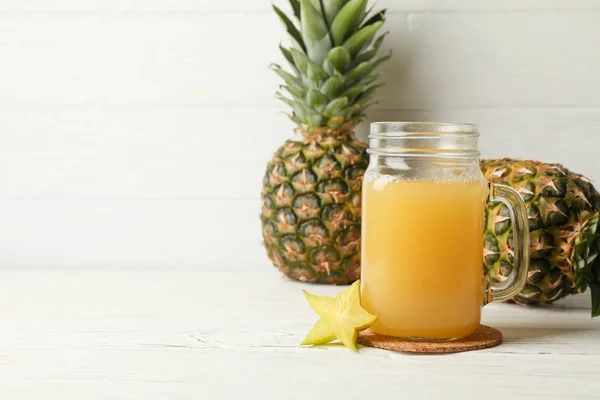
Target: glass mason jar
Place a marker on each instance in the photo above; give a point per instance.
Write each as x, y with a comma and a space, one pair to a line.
423, 209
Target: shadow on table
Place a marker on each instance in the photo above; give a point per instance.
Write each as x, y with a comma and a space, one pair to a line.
542, 329
538, 334
553, 325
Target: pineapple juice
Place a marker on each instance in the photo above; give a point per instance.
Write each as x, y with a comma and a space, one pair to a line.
422, 257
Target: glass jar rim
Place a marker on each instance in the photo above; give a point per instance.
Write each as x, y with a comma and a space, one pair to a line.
411, 129
424, 139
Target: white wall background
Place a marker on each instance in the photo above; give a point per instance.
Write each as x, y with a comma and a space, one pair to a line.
135, 133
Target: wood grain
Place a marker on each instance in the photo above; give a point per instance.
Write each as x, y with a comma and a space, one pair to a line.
155, 59
184, 334
136, 132
261, 6
221, 153
149, 234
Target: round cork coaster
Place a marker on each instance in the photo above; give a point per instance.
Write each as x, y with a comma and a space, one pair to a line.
483, 338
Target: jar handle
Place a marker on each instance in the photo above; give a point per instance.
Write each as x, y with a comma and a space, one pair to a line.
518, 215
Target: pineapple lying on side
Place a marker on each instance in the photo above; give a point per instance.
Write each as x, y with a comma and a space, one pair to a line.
312, 188
563, 212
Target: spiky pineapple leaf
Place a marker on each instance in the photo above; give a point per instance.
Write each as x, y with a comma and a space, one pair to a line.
316, 99
370, 91
288, 56
366, 81
287, 101
328, 67
300, 60
347, 20
353, 92
370, 54
296, 7
335, 122
586, 262
595, 289
314, 32
358, 40
595, 282
334, 107
379, 40
332, 87
302, 109
361, 108
291, 28
332, 84
315, 120
289, 79
381, 60
348, 112
294, 117
316, 4
380, 16
332, 8
364, 99
297, 94
358, 119
316, 74
338, 58
363, 69
365, 56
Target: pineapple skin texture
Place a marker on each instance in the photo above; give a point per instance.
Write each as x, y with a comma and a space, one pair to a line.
561, 205
311, 215
311, 208
312, 188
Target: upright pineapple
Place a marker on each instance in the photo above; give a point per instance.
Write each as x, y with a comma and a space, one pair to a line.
312, 188
563, 210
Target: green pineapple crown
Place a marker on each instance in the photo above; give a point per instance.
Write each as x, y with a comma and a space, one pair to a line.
586, 263
333, 60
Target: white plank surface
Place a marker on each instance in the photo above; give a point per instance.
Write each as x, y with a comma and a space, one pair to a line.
265, 6
133, 139
179, 153
154, 59
197, 334
541, 56
105, 187
169, 234
141, 59
139, 130
199, 154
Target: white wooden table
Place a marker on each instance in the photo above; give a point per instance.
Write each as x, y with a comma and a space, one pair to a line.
94, 334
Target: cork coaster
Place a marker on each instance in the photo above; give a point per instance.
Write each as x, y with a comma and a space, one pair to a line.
483, 338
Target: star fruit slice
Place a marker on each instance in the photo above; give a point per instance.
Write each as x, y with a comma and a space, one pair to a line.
342, 317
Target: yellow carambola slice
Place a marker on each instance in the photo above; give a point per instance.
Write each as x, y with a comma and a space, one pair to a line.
342, 317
